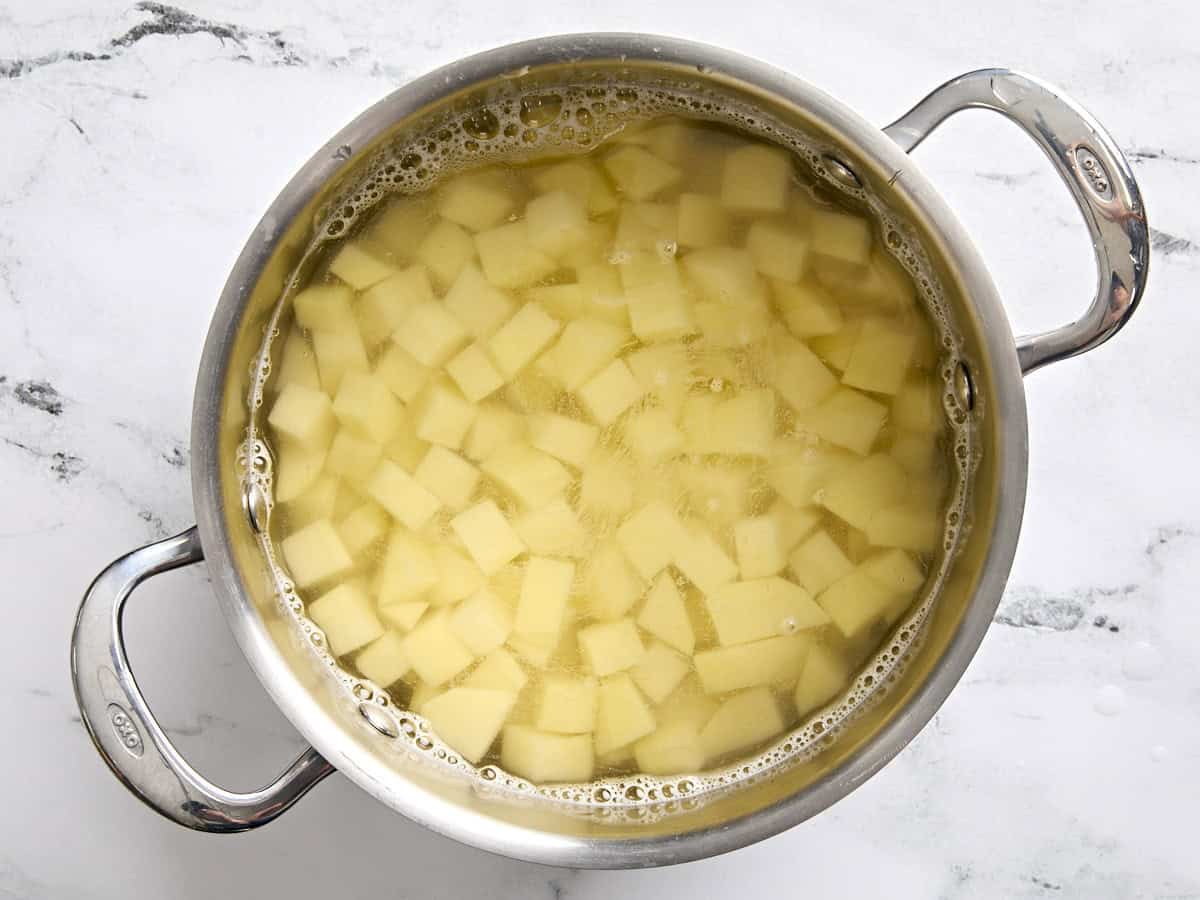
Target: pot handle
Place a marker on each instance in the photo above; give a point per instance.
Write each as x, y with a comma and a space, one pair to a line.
126, 733
1100, 180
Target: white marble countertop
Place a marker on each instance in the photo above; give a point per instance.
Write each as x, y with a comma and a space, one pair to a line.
141, 144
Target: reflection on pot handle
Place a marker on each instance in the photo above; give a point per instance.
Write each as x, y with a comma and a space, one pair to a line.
125, 731
1093, 168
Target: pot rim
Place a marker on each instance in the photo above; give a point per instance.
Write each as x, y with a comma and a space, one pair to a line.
332, 739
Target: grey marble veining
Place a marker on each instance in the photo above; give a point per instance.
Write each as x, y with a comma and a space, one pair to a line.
142, 142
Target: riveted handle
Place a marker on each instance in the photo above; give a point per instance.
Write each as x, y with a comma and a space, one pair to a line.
1099, 179
126, 733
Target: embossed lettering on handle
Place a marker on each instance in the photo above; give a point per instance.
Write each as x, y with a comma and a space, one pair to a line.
127, 733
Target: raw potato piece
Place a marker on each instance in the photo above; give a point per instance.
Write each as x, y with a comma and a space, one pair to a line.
353, 458
800, 376
880, 357
383, 308
430, 334
402, 495
793, 524
469, 719
609, 393
665, 616
702, 560
651, 538
779, 251
563, 438
674, 749
847, 419
509, 259
546, 758
760, 546
553, 530
568, 705
659, 312
585, 347
542, 608
500, 671
613, 586
296, 471
482, 622
522, 338
472, 370
347, 617
861, 490
408, 570
818, 562
404, 376
442, 415
531, 476
403, 614
365, 404
448, 477
487, 536
458, 577
841, 237
297, 365
338, 352
825, 675
383, 660
640, 174
858, 600
480, 307
324, 307
556, 222
315, 553
770, 661
659, 671
606, 486
494, 427
807, 310
910, 527
610, 647
445, 250
622, 716
703, 222
363, 527
755, 179
743, 721
764, 607
359, 267
304, 415
653, 436
475, 202
435, 651
723, 275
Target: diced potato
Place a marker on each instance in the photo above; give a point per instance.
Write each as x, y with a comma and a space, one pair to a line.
792, 524
304, 415
365, 405
760, 608
556, 222
798, 471
880, 357
640, 174
818, 562
494, 427
743, 721
841, 237
806, 309
896, 569
728, 326
383, 660
443, 415
382, 309
406, 449
606, 486
535, 649
296, 470
563, 438
430, 334
403, 614
319, 501
857, 493
583, 349
487, 536
315, 553
659, 312
673, 749
347, 617
847, 419
723, 275
400, 227
567, 302
458, 577
482, 622
825, 675
653, 436
359, 267
857, 600
760, 546
703, 221
469, 719
622, 714
521, 339
365, 525
324, 307
474, 373
448, 477
404, 376
508, 257
610, 392
613, 586
353, 458
756, 179
500, 671
659, 671
800, 376
778, 250
665, 616
478, 306
553, 530
917, 407
646, 227
408, 569
717, 492
769, 661
700, 558
568, 705
402, 495
476, 202
531, 476
435, 651
446, 249
645, 269
908, 526
664, 371
743, 425
542, 607
610, 647
651, 538
545, 758
297, 364
881, 285
581, 179
422, 694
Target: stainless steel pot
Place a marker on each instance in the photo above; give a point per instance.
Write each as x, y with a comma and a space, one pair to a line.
355, 739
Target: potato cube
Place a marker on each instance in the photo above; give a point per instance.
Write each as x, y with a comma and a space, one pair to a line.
778, 250
297, 364
318, 501
718, 492
407, 571
755, 179
585, 347
610, 392
846, 418
800, 376
858, 600
703, 221
365, 525
404, 376
610, 647
673, 749
482, 622
836, 349
469, 719
472, 370
448, 477
659, 671
798, 471
769, 661
406, 449
487, 536
792, 525
422, 694
556, 222
651, 538
542, 607
760, 608
760, 546
806, 309
535, 649
606, 486
383, 660
338, 352
443, 415
826, 673
431, 334
688, 703
739, 426
445, 250
479, 306
508, 257
917, 407
880, 357
728, 326
347, 617
622, 714
304, 415
563, 438
743, 721
613, 586
499, 671
359, 267
458, 576
896, 569
553, 530
700, 558
818, 562
521, 339
664, 371
659, 312
314, 553
647, 228
403, 614
531, 476
640, 174
402, 495
665, 616
723, 275
365, 405
296, 470
382, 309
476, 202
401, 225
841, 237
568, 705
562, 301
494, 427
653, 436
860, 490
324, 307
435, 651
882, 285
907, 526
545, 758
581, 179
